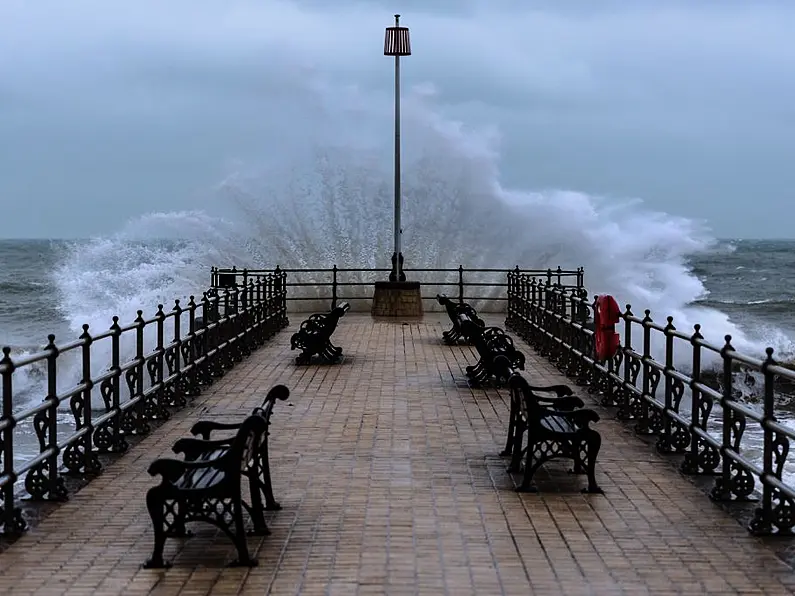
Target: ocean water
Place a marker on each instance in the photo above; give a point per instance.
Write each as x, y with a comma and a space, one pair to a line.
751, 282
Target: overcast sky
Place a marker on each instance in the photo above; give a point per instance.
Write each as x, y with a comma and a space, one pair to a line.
112, 109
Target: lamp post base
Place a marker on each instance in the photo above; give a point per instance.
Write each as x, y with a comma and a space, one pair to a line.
397, 299
397, 272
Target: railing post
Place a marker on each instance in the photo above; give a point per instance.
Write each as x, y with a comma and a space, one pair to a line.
13, 522
722, 488
211, 313
334, 286
624, 408
664, 441
160, 361
191, 351
460, 284
191, 330
510, 311
609, 398
595, 373
559, 273
762, 524
145, 409
90, 461
220, 328
283, 298
271, 293
642, 425
118, 442
699, 414
178, 386
56, 488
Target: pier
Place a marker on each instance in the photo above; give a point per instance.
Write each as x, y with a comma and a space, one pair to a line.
387, 464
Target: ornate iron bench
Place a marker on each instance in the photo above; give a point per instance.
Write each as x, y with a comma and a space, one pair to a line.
554, 429
314, 336
258, 473
454, 310
207, 488
490, 342
564, 401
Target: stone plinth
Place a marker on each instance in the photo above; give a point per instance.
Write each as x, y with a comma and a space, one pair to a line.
397, 299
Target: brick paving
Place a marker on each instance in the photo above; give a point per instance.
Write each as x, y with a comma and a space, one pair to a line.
388, 472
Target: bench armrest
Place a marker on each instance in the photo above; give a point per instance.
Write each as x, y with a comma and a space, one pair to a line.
205, 427
171, 469
192, 447
565, 403
559, 390
580, 418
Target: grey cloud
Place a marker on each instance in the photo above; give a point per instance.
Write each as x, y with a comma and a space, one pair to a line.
688, 105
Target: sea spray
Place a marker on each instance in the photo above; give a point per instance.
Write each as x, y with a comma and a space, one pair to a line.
332, 205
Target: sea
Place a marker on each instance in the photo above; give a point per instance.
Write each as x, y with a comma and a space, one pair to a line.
56, 286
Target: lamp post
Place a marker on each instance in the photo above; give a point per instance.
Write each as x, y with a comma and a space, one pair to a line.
396, 43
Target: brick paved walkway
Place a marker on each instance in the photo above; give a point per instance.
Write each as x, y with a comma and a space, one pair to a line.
388, 472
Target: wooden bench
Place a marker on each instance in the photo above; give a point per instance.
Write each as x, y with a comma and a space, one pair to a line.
208, 490
454, 310
554, 429
490, 342
314, 336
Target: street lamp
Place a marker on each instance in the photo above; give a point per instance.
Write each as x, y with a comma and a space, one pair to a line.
396, 43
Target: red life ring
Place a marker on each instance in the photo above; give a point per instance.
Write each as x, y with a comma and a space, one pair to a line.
605, 316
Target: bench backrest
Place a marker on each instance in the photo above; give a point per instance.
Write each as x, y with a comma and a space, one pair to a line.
491, 340
449, 306
523, 396
277, 392
469, 328
332, 318
456, 309
246, 441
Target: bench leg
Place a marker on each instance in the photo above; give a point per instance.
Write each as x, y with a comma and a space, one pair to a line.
511, 430
155, 505
593, 442
256, 510
267, 488
518, 438
239, 538
529, 470
579, 454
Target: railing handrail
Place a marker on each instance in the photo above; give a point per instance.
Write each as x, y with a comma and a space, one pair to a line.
556, 321
536, 271
558, 274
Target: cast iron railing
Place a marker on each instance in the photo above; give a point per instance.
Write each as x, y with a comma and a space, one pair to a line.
655, 394
464, 278
222, 328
